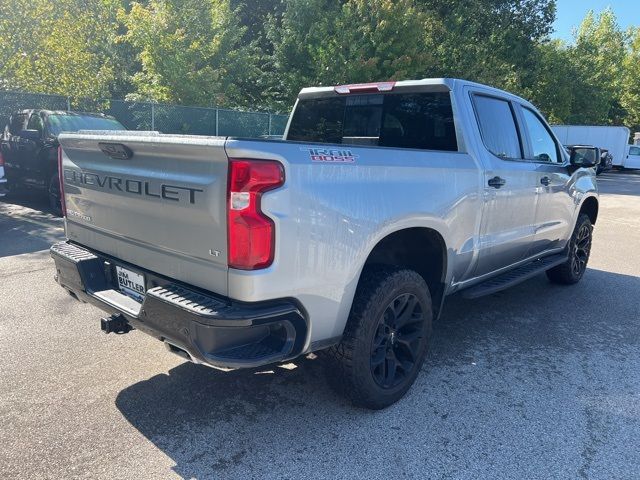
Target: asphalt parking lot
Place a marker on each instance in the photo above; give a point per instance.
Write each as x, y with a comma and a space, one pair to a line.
538, 381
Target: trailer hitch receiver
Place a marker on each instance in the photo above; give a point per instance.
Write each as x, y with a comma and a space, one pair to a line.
115, 323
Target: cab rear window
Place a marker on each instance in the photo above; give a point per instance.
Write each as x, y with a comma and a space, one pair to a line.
406, 120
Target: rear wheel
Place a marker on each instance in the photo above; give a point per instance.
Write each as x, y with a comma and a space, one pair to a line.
579, 247
386, 338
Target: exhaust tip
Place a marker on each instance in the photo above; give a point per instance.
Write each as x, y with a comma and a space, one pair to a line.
181, 352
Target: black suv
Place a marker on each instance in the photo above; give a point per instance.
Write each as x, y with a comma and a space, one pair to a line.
29, 147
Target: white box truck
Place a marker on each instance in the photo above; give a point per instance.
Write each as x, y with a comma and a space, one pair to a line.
614, 139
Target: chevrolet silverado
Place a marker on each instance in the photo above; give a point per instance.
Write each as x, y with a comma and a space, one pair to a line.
345, 236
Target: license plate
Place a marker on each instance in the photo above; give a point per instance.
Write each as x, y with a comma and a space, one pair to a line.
131, 283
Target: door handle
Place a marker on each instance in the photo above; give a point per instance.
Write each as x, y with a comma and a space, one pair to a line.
545, 181
496, 182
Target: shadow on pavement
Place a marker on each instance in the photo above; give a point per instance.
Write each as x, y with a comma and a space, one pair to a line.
26, 226
28, 198
501, 368
625, 182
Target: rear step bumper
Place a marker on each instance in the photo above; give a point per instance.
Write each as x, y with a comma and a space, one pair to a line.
197, 325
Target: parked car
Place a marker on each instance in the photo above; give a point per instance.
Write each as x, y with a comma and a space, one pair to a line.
345, 236
606, 161
29, 146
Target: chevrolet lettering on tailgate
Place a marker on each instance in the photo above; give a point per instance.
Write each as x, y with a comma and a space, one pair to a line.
174, 193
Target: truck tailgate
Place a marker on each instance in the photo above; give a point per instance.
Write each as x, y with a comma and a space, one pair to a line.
162, 209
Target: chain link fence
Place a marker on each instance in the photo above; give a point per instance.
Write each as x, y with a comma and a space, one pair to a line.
153, 116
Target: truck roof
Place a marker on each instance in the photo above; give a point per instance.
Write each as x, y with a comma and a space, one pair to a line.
426, 84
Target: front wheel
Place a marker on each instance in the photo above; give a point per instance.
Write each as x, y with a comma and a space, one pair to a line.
386, 338
579, 248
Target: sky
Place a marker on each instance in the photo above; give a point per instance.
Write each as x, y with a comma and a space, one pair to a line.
570, 13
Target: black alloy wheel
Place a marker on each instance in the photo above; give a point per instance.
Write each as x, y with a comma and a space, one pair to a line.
398, 341
386, 338
578, 251
581, 250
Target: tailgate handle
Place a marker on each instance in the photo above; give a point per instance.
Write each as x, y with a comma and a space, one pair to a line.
116, 150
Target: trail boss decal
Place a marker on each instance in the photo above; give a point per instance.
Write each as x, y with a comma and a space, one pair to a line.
330, 155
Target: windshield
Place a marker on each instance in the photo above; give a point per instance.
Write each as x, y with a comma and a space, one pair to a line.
72, 123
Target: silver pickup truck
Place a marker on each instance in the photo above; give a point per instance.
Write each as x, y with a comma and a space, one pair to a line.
346, 236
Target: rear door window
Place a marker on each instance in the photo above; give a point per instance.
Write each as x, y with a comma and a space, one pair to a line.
404, 120
498, 126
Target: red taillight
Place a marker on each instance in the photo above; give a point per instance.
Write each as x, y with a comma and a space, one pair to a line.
365, 87
63, 204
251, 234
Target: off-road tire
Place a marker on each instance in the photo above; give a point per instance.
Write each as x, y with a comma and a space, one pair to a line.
579, 249
350, 363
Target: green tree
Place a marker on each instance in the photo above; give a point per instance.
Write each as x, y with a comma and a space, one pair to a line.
190, 52
296, 37
325, 42
319, 42
598, 60
553, 80
630, 98
376, 40
490, 41
48, 47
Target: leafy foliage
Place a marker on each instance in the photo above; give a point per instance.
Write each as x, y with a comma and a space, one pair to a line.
48, 47
598, 61
323, 42
630, 98
190, 51
258, 54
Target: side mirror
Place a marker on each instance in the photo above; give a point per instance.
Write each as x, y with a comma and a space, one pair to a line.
30, 134
585, 157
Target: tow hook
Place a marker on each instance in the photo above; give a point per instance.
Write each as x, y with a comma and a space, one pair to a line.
115, 323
